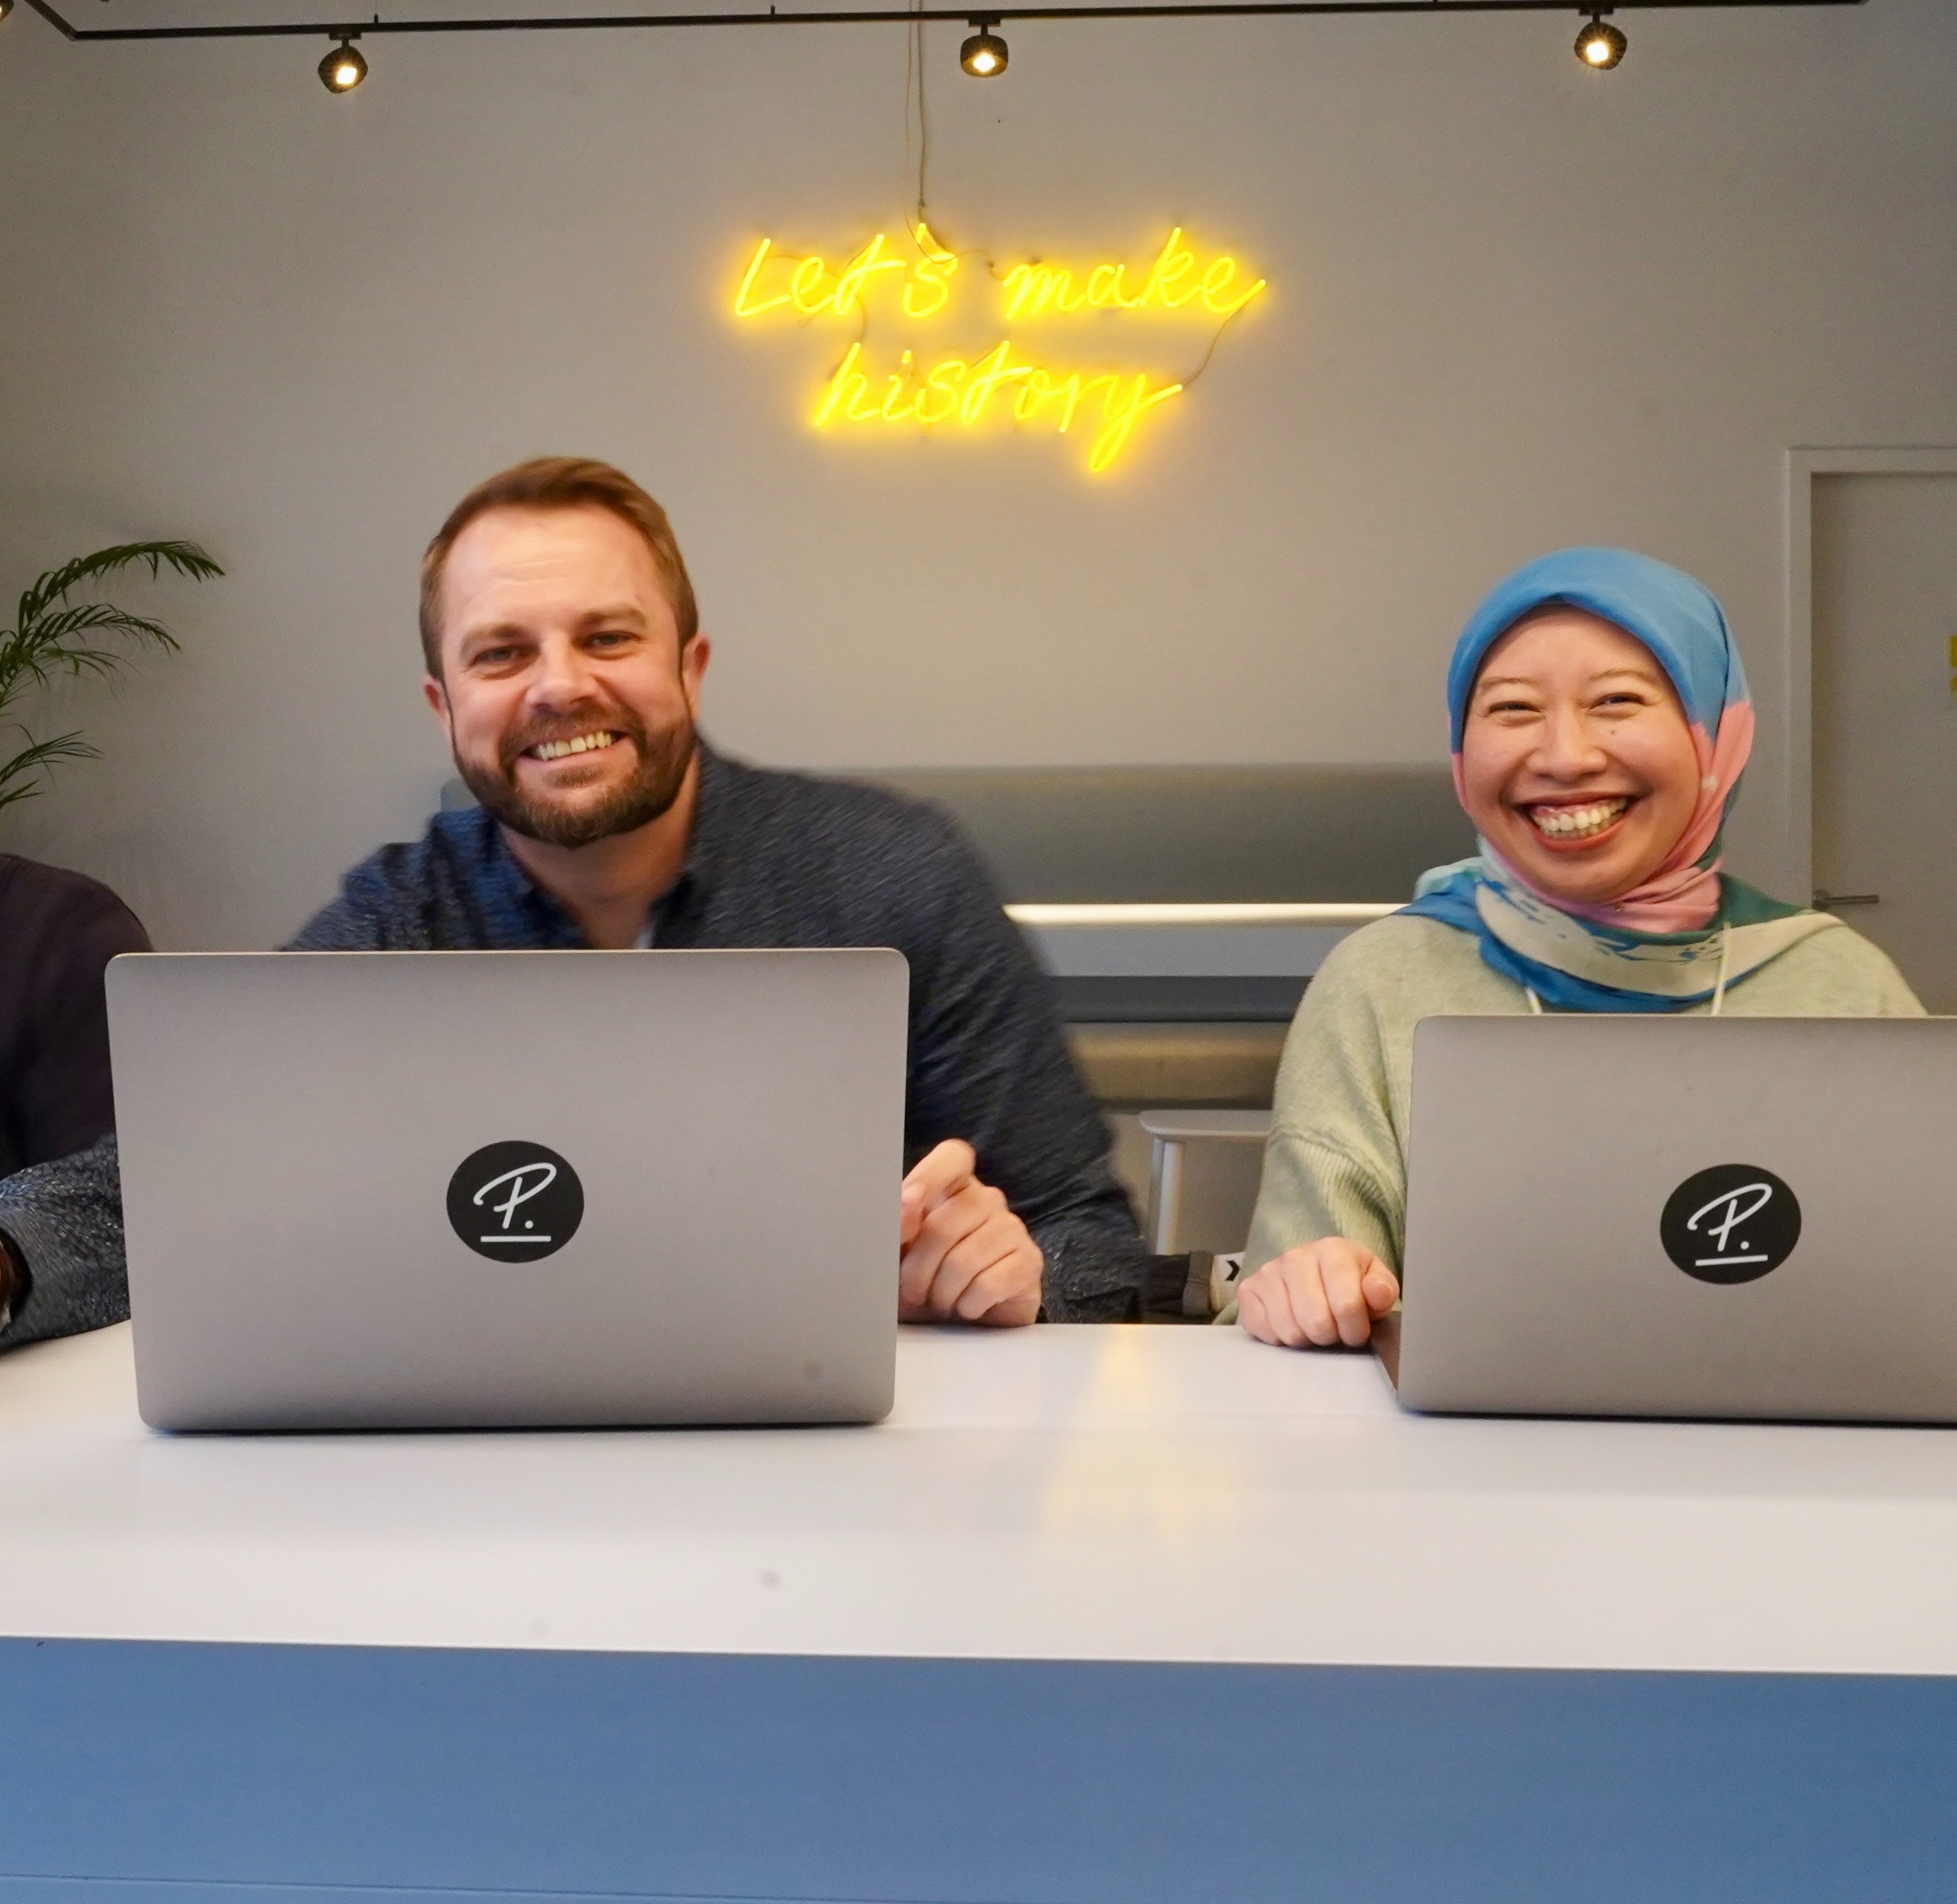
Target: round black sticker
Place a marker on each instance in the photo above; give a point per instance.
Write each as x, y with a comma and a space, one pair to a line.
1732, 1223
515, 1201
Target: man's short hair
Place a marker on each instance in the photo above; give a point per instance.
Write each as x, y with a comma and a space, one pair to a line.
558, 482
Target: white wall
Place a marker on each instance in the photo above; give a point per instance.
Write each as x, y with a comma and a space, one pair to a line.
1516, 305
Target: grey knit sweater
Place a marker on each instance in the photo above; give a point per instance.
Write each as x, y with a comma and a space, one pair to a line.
65, 1218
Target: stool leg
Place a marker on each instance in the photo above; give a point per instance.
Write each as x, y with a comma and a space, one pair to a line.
1165, 1195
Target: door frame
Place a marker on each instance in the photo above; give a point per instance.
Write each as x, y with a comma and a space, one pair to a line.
1803, 465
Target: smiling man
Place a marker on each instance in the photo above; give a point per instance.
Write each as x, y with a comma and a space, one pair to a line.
565, 662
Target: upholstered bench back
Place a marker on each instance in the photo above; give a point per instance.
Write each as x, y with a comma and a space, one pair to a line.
1082, 834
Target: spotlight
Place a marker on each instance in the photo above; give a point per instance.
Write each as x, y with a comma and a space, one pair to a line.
343, 68
984, 55
1599, 45
6, 8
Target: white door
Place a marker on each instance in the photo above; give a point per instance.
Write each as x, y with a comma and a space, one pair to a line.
1885, 581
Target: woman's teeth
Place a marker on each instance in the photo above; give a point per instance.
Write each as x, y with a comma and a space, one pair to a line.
1577, 823
583, 744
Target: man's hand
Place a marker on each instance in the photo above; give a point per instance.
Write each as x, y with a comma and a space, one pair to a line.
966, 1256
1318, 1294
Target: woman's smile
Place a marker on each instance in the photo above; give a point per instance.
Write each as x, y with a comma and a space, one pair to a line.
1574, 826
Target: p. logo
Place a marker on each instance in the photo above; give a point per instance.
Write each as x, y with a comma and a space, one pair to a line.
514, 1202
1731, 1223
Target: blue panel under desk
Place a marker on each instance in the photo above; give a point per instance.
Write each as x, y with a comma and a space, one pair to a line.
242, 1772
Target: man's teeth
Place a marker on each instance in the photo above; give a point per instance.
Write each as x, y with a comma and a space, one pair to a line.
583, 744
1576, 823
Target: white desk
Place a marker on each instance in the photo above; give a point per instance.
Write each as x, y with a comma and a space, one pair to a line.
1134, 1496
1282, 1508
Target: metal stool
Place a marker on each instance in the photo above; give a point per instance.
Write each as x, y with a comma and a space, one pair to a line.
1172, 1133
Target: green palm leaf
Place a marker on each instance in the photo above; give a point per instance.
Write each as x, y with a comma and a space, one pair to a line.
53, 645
20, 778
185, 557
52, 637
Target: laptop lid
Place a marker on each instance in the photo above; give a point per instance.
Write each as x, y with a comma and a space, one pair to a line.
500, 1189
1691, 1216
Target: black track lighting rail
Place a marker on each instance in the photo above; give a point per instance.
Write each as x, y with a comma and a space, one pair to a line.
1139, 10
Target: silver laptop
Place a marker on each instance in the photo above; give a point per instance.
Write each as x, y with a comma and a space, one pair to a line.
1718, 1217
392, 1190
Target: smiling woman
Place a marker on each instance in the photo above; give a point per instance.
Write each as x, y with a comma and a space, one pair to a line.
1578, 763
1601, 722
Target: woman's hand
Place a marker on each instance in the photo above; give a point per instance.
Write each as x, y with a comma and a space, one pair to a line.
1317, 1296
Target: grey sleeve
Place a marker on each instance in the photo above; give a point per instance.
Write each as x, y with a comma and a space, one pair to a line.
64, 1220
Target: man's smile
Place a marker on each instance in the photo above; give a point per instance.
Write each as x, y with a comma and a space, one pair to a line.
586, 743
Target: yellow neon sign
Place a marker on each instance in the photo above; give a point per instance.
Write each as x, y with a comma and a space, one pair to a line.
958, 391
810, 287
1035, 290
999, 385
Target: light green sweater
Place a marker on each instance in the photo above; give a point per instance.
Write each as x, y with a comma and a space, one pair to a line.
1335, 1165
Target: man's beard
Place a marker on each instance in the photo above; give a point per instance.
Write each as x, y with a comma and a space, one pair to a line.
649, 792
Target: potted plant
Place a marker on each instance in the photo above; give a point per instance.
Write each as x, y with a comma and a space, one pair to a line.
54, 636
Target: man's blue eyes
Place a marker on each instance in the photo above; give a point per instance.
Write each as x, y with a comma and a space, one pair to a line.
498, 658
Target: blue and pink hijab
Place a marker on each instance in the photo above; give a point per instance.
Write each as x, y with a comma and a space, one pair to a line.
1689, 931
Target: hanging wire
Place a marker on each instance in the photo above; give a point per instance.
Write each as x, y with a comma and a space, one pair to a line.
923, 123
915, 111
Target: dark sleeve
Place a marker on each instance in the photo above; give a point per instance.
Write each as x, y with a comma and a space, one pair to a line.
362, 919
64, 1220
409, 897
58, 1097
336, 928
988, 1063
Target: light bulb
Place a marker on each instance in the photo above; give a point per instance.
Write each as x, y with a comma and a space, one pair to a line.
343, 68
1600, 46
6, 8
984, 55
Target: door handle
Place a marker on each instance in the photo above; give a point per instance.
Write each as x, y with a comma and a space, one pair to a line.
1829, 901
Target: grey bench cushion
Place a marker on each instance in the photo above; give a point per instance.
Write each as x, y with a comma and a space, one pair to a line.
1198, 999
1088, 835
1138, 1067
